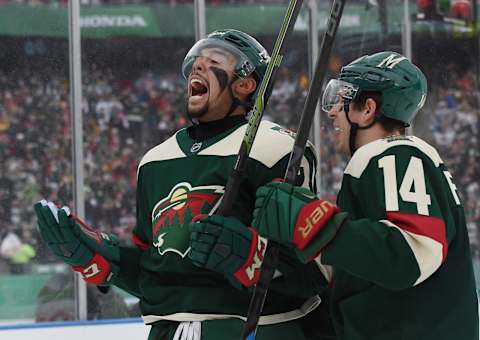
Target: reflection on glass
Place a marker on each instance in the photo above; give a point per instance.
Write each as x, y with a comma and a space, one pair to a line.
134, 99
35, 158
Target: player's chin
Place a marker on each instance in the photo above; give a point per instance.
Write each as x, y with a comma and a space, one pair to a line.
196, 111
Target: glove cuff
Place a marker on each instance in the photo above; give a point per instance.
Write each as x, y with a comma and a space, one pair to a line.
311, 220
323, 238
97, 271
249, 273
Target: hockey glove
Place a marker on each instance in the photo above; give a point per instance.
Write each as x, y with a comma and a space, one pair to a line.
295, 216
227, 246
91, 253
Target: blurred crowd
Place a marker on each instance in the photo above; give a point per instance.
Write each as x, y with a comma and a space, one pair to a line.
455, 130
123, 118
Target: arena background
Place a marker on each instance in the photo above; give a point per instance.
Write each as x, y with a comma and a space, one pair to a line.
134, 98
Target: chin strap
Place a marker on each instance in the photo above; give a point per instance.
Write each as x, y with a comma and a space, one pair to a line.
354, 127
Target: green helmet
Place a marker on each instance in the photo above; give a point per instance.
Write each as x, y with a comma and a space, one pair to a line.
251, 56
402, 84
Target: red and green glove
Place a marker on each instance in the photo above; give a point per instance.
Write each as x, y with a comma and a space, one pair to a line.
227, 246
294, 216
93, 254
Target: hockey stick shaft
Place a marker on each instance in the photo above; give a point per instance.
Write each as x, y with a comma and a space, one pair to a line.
264, 92
294, 163
314, 90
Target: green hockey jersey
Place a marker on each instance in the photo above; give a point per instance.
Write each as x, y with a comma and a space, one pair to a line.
182, 178
401, 263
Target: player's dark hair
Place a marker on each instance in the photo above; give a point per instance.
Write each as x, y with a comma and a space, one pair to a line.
389, 124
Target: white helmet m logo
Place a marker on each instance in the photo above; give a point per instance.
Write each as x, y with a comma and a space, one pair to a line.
391, 61
422, 101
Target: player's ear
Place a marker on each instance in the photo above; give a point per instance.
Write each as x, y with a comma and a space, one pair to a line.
368, 112
244, 87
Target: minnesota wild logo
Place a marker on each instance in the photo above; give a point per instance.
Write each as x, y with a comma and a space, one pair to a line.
172, 215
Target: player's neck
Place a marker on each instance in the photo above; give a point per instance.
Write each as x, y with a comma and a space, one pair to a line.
373, 133
206, 130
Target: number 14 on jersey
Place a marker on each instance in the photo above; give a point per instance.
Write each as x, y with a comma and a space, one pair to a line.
412, 188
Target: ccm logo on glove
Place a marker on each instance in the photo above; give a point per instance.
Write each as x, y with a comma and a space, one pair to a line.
96, 272
249, 273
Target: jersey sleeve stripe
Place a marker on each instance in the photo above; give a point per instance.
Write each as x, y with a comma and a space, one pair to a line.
139, 243
429, 252
426, 251
429, 226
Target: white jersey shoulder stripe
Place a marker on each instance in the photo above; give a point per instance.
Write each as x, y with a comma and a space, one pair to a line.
271, 144
427, 251
362, 157
167, 150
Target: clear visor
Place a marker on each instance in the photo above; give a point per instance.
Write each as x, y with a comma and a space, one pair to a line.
337, 91
221, 53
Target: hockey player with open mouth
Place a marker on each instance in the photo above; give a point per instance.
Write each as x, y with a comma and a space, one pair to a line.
194, 279
398, 241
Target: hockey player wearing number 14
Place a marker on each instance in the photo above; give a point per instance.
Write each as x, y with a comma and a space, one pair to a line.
397, 242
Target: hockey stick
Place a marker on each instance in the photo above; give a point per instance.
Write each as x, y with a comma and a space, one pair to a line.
264, 92
273, 248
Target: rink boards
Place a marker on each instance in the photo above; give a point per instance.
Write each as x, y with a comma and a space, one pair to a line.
118, 329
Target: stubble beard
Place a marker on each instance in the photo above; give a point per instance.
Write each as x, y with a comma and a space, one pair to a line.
197, 113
